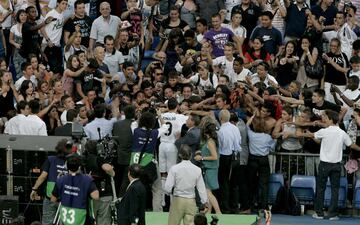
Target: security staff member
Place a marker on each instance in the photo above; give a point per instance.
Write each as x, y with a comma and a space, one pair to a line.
74, 190
53, 167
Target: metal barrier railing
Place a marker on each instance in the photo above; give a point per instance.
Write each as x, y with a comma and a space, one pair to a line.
296, 163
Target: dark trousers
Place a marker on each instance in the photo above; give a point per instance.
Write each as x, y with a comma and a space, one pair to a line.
238, 186
258, 174
333, 171
121, 179
224, 180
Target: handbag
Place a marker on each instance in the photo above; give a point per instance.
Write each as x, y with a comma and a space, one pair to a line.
315, 71
149, 174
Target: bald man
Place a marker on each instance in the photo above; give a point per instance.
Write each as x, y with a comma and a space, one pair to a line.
105, 24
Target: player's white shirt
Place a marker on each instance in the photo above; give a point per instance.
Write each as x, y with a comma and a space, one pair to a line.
175, 122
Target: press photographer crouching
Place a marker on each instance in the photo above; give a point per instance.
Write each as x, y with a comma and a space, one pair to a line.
99, 167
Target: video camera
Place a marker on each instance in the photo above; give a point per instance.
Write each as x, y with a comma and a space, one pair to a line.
107, 148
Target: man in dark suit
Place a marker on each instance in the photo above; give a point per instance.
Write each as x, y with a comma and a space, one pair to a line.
66, 129
192, 136
124, 136
131, 208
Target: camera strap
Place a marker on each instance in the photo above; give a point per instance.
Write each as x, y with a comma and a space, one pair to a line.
148, 133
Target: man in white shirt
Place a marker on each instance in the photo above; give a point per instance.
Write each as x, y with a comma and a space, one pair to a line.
32, 124
105, 24
240, 73
181, 182
28, 74
262, 75
204, 78
13, 125
52, 33
332, 140
68, 103
113, 58
226, 61
99, 127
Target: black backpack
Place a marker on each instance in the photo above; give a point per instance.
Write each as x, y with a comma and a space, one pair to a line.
286, 203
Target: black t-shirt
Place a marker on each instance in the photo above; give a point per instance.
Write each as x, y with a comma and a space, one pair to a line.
166, 24
30, 40
332, 75
7, 103
285, 74
85, 28
318, 110
88, 82
250, 16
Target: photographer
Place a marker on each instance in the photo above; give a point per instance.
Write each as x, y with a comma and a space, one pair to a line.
101, 171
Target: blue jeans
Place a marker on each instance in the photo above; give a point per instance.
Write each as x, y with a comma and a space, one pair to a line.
49, 212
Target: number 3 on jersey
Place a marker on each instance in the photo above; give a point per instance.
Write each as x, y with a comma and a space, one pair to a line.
68, 216
170, 129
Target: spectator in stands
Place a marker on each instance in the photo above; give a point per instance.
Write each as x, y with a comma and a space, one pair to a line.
208, 9
250, 14
103, 25
15, 40
30, 33
272, 37
52, 33
218, 36
325, 13
201, 29
332, 141
28, 74
296, 19
336, 69
66, 129
308, 55
8, 93
113, 58
236, 27
262, 75
81, 20
74, 44
182, 179
286, 63
68, 103
256, 54
278, 9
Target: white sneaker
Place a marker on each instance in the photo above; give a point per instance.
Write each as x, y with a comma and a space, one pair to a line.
316, 216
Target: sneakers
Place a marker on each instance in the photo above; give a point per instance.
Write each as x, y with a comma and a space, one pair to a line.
333, 217
316, 216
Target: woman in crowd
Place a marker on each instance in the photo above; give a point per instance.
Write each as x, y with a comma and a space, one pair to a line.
256, 54
286, 64
308, 56
45, 93
27, 92
209, 157
73, 69
15, 39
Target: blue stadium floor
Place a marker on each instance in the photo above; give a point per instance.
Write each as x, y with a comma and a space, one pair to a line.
308, 220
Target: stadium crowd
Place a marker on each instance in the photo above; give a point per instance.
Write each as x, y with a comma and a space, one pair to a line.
232, 79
